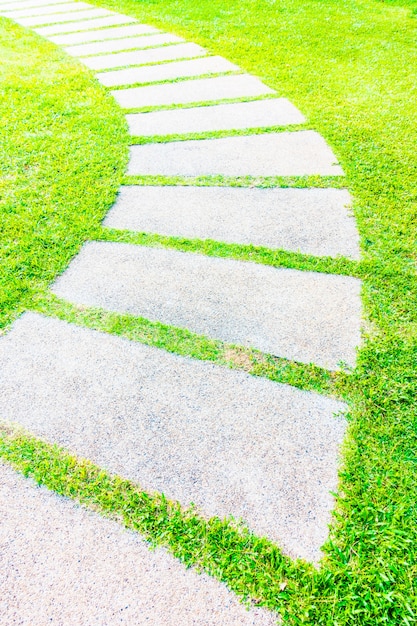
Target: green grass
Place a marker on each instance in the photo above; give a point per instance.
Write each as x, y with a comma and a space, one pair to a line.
350, 67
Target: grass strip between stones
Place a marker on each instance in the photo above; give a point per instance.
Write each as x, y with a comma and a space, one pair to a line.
263, 182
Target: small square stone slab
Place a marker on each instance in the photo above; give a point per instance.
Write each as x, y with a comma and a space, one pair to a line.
144, 57
274, 154
100, 22
236, 116
61, 18
167, 71
304, 316
198, 90
127, 43
231, 443
46, 10
313, 221
102, 35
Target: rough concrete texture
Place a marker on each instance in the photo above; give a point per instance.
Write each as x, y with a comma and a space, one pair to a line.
144, 57
46, 10
313, 221
65, 565
93, 24
273, 154
198, 90
127, 43
304, 316
230, 443
61, 18
103, 35
167, 71
235, 116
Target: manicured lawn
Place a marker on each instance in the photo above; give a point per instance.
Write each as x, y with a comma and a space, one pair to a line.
351, 68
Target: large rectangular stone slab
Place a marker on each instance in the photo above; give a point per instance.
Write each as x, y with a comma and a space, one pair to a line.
28, 4
230, 443
303, 316
93, 24
167, 71
186, 92
61, 18
312, 221
103, 35
240, 115
46, 10
274, 154
63, 564
144, 57
127, 43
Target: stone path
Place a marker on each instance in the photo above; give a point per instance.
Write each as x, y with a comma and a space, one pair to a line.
161, 419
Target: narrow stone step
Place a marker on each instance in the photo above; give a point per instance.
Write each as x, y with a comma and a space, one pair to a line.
93, 24
312, 221
303, 316
63, 564
46, 10
229, 442
144, 57
263, 113
61, 18
167, 71
274, 154
103, 35
127, 43
198, 90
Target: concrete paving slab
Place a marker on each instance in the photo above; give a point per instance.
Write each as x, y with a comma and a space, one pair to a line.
274, 154
61, 18
144, 57
63, 564
103, 35
127, 43
312, 221
303, 316
46, 10
262, 113
93, 24
5, 5
229, 442
167, 71
198, 90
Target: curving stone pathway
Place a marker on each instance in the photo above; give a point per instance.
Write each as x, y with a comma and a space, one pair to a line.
161, 419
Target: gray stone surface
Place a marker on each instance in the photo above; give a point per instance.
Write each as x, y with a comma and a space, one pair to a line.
65, 565
313, 221
61, 18
167, 71
45, 10
103, 35
273, 154
229, 442
144, 57
186, 92
93, 24
127, 43
262, 113
304, 316
13, 6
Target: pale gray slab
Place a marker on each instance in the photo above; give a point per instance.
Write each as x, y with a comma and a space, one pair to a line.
127, 43
312, 221
198, 90
262, 113
229, 442
13, 6
63, 564
46, 10
304, 316
101, 22
144, 57
167, 71
61, 18
103, 35
274, 154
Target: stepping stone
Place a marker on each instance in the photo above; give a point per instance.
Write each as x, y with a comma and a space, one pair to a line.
46, 10
229, 442
303, 316
64, 564
116, 45
143, 57
274, 154
28, 4
101, 35
240, 115
312, 221
61, 18
199, 90
101, 22
167, 71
